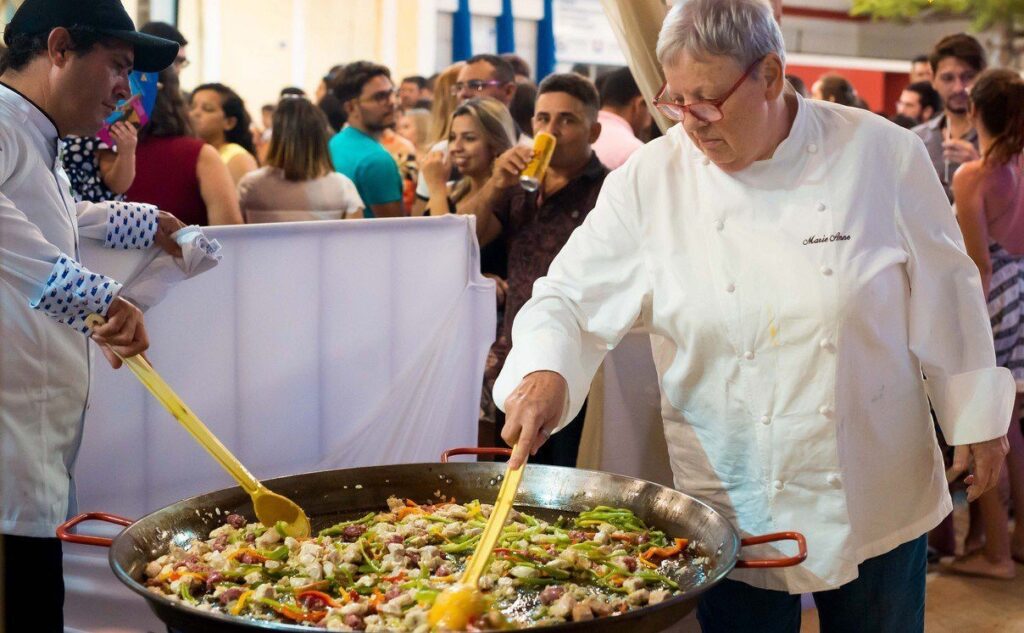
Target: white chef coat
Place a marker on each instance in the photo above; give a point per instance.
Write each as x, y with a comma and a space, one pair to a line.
44, 296
793, 307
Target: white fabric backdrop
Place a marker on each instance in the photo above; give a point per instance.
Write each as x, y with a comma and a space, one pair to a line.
624, 433
311, 346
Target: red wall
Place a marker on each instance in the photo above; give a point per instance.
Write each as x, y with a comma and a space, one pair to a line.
879, 89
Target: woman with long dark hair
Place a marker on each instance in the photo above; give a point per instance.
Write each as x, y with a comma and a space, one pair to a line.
298, 181
175, 170
989, 195
219, 117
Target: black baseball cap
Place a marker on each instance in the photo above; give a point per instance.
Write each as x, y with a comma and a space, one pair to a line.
34, 17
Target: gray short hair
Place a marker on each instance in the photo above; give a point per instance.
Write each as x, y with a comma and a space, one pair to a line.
744, 30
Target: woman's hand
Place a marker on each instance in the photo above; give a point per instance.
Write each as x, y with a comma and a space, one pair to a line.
436, 169
125, 137
987, 458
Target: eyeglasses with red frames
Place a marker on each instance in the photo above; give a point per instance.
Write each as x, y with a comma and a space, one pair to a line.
706, 111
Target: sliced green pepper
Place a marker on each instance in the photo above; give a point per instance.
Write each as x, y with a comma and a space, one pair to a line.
186, 592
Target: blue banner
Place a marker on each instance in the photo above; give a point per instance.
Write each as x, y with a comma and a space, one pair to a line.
546, 41
506, 29
462, 33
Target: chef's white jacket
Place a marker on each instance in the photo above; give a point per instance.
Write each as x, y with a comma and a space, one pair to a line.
44, 296
794, 306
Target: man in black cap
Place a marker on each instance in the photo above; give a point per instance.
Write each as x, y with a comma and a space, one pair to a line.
65, 69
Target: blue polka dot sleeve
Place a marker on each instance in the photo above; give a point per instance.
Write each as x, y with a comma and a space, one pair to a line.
73, 293
131, 225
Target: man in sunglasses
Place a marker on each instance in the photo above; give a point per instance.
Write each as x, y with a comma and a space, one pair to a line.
796, 261
482, 75
370, 101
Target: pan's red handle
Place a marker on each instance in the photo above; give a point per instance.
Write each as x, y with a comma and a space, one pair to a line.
64, 530
486, 450
777, 562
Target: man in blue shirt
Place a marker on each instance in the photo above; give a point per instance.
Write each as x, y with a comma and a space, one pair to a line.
368, 96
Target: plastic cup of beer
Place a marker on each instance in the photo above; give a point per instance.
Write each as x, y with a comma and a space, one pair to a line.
543, 148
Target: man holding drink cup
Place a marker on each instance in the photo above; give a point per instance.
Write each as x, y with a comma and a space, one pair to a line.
537, 223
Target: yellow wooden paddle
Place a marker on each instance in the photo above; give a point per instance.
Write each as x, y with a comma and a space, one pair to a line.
271, 508
457, 605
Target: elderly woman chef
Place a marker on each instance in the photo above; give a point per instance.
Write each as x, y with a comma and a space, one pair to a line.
800, 268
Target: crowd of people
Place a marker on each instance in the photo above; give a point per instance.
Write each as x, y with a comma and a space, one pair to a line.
368, 146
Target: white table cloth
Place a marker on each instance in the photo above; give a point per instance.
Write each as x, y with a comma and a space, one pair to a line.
311, 346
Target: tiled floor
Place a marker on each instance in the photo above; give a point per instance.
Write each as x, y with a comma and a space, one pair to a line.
960, 604
957, 604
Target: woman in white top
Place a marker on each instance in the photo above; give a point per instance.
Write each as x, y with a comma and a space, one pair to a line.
799, 267
299, 182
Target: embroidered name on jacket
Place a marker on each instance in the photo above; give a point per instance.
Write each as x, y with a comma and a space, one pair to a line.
821, 239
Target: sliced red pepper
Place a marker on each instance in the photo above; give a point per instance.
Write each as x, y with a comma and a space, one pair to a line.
666, 552
399, 576
376, 600
323, 597
406, 511
301, 616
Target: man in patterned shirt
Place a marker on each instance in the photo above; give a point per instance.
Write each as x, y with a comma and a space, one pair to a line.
537, 225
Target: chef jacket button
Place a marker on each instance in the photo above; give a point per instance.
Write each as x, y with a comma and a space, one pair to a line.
730, 287
706, 161
778, 485
575, 214
719, 225
825, 410
821, 206
825, 344
825, 270
765, 420
812, 148
748, 355
834, 480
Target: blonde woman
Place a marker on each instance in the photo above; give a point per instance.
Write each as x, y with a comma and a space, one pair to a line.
298, 182
481, 130
444, 103
414, 125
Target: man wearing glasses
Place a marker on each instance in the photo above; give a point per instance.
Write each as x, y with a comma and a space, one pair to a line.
370, 101
795, 261
482, 76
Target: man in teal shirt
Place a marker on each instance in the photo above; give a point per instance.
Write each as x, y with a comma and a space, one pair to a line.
368, 96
